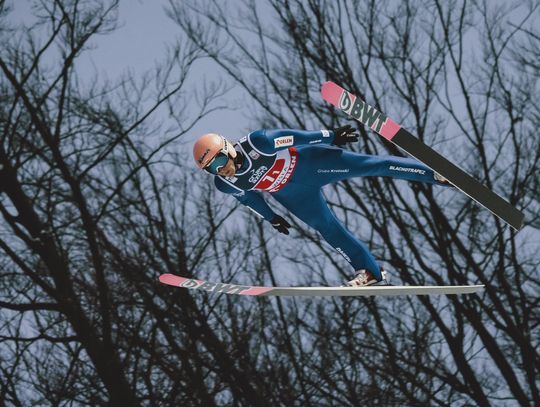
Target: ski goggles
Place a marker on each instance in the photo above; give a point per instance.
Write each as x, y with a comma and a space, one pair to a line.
217, 163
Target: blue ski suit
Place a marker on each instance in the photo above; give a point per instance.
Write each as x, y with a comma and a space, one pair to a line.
294, 165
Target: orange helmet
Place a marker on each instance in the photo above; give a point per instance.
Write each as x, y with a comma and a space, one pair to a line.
209, 147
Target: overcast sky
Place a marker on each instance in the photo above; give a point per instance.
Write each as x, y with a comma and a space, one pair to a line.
138, 45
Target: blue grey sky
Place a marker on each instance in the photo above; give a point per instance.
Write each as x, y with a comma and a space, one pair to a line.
138, 45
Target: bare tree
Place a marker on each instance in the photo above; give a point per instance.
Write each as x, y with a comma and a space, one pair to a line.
84, 182
96, 202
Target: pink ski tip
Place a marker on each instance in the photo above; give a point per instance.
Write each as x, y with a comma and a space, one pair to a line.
171, 279
331, 92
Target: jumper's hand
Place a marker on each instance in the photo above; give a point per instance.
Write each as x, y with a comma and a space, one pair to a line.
345, 134
280, 224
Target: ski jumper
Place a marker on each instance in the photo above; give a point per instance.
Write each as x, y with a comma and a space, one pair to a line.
294, 165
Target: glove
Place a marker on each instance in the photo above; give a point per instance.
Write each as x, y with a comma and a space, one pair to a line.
344, 135
280, 224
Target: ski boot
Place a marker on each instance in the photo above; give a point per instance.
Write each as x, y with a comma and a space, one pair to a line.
364, 278
439, 178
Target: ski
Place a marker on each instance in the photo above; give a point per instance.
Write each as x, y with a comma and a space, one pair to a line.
388, 290
390, 130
